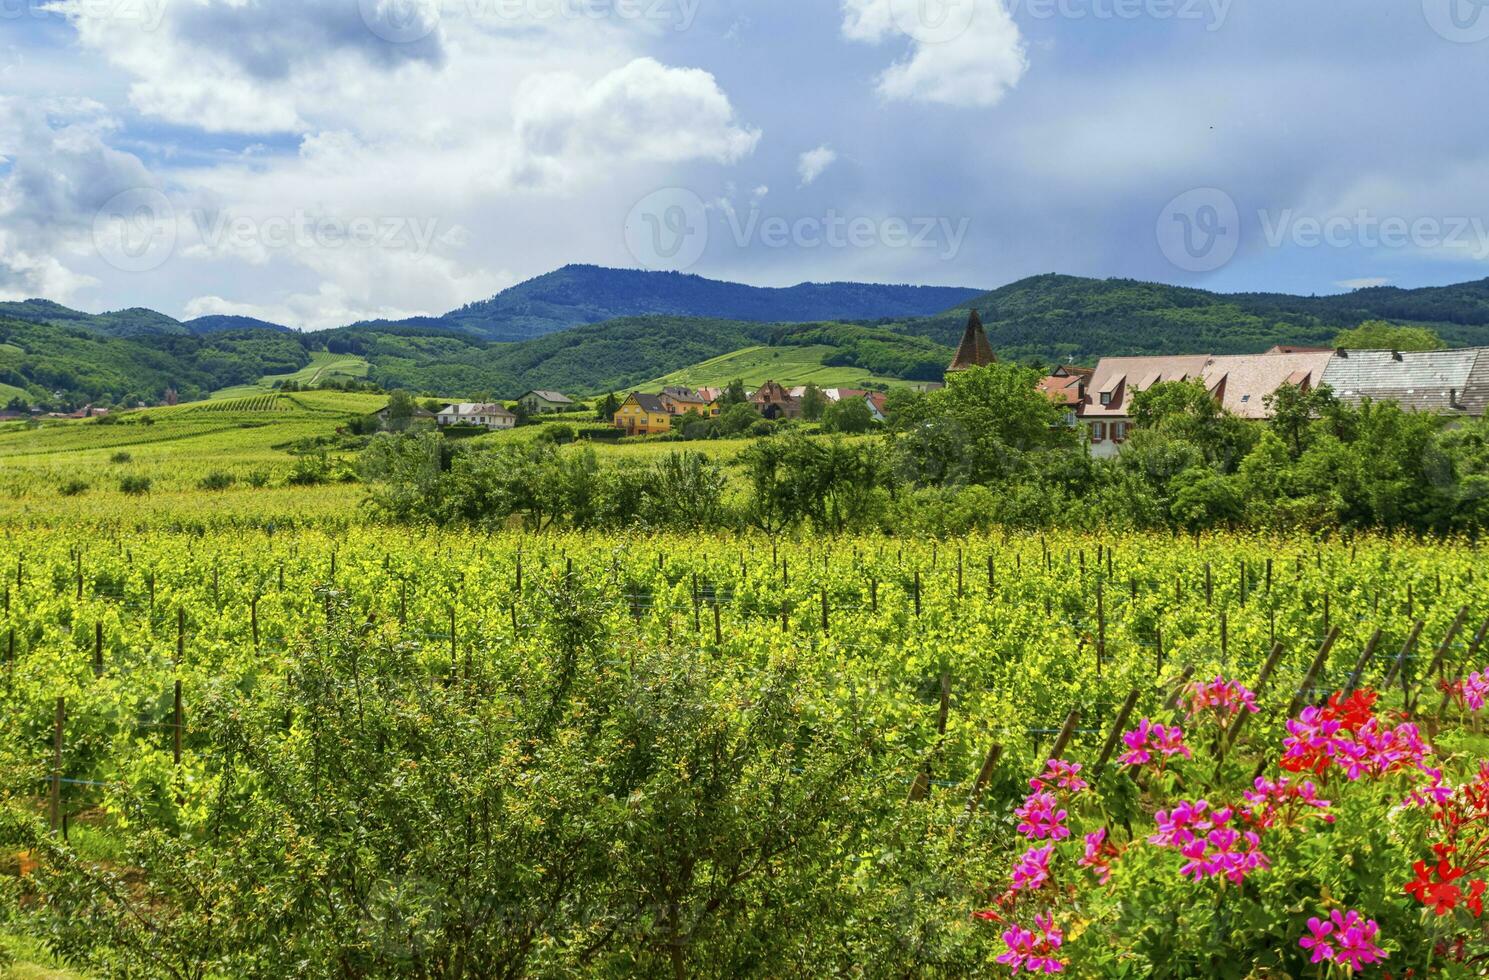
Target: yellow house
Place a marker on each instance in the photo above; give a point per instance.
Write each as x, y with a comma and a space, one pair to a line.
643, 415
678, 404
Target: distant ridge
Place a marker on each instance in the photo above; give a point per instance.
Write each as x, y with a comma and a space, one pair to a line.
582, 294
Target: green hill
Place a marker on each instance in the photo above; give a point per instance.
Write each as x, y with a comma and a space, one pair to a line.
1056, 318
788, 365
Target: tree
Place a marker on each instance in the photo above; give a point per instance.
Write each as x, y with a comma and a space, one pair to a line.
400, 410
1187, 411
980, 428
736, 420
1293, 410
813, 403
1382, 335
686, 489
735, 394
608, 408
851, 416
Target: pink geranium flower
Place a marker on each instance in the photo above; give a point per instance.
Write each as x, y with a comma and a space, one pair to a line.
1034, 949
1149, 741
1032, 870
1222, 698
1040, 818
1060, 774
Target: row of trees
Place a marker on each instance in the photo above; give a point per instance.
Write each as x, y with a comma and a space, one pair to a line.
988, 450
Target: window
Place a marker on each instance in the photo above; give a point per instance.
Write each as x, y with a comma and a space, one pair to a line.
1098, 431
1119, 431
1106, 399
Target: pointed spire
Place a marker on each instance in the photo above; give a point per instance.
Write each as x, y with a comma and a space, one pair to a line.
974, 351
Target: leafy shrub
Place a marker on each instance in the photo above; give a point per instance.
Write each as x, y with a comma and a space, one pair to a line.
73, 488
120, 457
135, 486
217, 480
310, 471
258, 479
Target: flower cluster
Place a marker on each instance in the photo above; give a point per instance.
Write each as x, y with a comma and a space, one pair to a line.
1031, 871
1148, 741
1100, 852
1062, 775
1436, 887
1212, 848
1034, 949
1471, 693
1347, 735
1284, 802
1222, 698
1347, 938
1040, 818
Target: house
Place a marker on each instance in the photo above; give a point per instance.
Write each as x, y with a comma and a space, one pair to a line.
974, 350
1067, 388
489, 416
1446, 382
418, 414
642, 414
712, 394
681, 401
774, 402
1241, 384
542, 402
877, 402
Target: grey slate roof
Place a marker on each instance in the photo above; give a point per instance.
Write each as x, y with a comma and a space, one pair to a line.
1447, 382
652, 403
556, 397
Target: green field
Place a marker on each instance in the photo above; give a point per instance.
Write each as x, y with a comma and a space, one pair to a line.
323, 367
255, 438
787, 365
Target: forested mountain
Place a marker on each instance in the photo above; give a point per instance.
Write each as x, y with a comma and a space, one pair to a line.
69, 366
1057, 318
59, 356
583, 294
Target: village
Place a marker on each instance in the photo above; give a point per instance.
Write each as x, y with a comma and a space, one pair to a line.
1451, 383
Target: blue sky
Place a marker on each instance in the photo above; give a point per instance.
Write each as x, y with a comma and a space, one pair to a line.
316, 162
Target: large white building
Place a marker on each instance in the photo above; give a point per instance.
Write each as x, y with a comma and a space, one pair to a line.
489, 416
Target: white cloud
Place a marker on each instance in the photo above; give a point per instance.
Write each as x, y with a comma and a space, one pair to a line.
515, 143
814, 163
61, 173
1365, 283
642, 112
965, 53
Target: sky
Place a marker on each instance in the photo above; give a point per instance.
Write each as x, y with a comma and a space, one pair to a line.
319, 162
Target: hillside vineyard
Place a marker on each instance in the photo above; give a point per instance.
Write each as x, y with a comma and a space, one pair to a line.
367, 751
